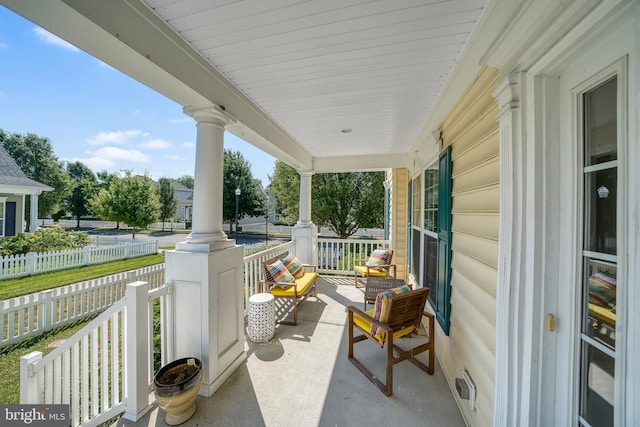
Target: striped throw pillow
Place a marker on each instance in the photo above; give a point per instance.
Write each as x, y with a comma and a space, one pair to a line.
381, 309
293, 265
379, 257
279, 272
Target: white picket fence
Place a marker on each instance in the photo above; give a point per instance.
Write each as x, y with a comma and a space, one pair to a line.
32, 263
32, 314
105, 369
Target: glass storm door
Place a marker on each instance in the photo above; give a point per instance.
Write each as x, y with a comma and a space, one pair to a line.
599, 124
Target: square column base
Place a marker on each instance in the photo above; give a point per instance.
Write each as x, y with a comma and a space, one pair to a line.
209, 311
306, 238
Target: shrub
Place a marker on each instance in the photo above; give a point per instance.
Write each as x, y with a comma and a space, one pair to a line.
43, 240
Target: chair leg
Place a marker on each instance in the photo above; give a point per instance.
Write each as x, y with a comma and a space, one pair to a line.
390, 362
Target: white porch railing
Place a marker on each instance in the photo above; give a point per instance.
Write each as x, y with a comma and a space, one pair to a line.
35, 313
338, 256
32, 263
105, 369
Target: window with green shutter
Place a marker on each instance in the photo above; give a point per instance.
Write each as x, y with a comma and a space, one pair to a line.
443, 286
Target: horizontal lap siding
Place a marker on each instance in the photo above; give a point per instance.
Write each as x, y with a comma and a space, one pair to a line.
472, 131
399, 218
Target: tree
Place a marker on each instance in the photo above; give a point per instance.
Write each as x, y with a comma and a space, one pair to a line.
85, 185
141, 205
285, 189
168, 202
34, 155
108, 203
130, 199
344, 202
237, 174
186, 180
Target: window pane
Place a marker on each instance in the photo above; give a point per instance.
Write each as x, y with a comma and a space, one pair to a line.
600, 301
430, 266
600, 114
417, 201
598, 373
415, 253
601, 194
431, 200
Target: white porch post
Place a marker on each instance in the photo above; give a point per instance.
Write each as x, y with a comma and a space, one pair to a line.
515, 358
33, 223
305, 233
137, 351
207, 269
206, 226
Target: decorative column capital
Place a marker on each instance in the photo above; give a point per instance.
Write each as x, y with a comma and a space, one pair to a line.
507, 93
209, 114
306, 173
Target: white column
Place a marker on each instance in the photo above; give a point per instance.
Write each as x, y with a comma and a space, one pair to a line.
208, 269
518, 299
305, 233
206, 225
33, 223
305, 198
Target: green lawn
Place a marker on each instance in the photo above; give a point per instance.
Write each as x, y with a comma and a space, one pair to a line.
10, 288
10, 358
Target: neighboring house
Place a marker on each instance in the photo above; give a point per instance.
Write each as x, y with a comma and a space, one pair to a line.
14, 187
509, 130
184, 196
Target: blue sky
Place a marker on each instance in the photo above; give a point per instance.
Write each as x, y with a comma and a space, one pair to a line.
93, 113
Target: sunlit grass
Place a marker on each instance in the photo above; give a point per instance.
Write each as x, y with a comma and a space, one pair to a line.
10, 288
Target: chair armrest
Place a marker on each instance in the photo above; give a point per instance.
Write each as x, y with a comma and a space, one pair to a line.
313, 267
430, 320
360, 262
270, 284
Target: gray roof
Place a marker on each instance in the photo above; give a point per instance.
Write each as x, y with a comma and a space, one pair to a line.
11, 174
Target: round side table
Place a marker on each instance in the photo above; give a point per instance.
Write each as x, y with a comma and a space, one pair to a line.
261, 317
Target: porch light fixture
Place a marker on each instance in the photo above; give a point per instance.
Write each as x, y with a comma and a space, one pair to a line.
237, 209
603, 192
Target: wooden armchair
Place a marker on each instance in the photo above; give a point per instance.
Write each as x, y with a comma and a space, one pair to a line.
373, 267
401, 316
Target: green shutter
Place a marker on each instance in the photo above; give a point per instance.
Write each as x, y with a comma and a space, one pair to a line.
443, 290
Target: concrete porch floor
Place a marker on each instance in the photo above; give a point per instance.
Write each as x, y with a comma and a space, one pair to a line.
302, 378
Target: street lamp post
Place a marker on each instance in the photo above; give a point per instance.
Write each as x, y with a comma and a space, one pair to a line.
266, 222
237, 209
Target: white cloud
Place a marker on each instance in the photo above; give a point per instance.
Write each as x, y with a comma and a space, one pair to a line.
118, 137
157, 144
188, 144
116, 153
174, 157
49, 38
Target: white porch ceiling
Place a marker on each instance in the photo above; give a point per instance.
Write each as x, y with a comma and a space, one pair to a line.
318, 67
293, 73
